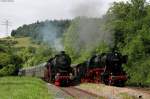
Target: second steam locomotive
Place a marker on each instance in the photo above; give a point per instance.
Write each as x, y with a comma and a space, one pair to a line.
102, 68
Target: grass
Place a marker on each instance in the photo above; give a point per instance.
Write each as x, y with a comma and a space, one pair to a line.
23, 88
98, 87
19, 42
24, 42
126, 96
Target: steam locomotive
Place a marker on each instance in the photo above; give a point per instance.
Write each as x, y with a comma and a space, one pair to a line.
90, 70
58, 70
104, 68
114, 73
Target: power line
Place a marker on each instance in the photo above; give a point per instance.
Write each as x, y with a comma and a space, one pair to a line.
7, 24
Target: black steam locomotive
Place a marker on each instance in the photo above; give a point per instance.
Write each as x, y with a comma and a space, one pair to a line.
114, 73
90, 70
58, 70
104, 68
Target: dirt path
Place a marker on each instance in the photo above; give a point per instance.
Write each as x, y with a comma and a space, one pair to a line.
116, 92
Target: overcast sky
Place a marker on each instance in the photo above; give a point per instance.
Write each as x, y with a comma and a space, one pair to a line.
22, 12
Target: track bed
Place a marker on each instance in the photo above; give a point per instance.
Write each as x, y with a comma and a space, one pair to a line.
77, 93
71, 93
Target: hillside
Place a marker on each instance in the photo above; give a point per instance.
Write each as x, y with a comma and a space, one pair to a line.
16, 53
44, 31
18, 42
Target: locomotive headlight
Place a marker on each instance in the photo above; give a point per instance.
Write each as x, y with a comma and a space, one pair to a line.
111, 74
58, 74
71, 76
112, 77
56, 77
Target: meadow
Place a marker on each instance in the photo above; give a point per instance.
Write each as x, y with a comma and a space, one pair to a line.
23, 88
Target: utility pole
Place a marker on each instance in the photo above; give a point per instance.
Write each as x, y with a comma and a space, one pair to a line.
7, 24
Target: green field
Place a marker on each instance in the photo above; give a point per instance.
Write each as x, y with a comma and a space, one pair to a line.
23, 88
19, 41
24, 42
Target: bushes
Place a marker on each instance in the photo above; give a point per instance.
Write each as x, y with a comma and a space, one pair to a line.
8, 70
9, 62
32, 56
4, 59
139, 72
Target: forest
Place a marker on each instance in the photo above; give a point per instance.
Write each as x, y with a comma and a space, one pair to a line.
124, 28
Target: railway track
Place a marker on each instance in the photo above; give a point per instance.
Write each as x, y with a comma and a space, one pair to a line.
77, 93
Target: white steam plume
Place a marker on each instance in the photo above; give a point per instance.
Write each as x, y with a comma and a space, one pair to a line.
49, 34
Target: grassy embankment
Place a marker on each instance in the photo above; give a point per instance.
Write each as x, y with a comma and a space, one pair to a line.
19, 42
23, 88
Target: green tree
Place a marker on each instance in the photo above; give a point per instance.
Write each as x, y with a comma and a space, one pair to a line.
131, 33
